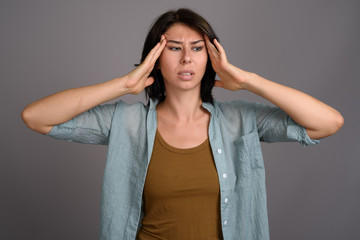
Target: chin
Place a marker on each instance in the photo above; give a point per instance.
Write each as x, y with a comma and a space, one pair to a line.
188, 86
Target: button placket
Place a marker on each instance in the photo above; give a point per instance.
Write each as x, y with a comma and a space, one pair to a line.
224, 176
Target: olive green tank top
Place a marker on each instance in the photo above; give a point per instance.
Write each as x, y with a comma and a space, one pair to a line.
181, 194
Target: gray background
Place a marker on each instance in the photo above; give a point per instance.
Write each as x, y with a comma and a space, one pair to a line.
51, 189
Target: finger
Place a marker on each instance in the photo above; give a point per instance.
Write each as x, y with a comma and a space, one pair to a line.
207, 40
211, 44
219, 83
153, 51
213, 52
156, 51
219, 47
159, 49
208, 43
221, 50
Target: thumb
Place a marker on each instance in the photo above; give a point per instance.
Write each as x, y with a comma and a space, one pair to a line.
149, 81
218, 83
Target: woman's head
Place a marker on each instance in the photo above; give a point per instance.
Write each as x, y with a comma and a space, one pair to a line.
162, 25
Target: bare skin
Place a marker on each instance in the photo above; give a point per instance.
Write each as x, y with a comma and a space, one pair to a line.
182, 121
60, 107
319, 119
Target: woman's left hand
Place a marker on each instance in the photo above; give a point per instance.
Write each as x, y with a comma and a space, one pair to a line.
319, 120
231, 77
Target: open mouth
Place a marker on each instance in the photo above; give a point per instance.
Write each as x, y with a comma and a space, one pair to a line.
186, 74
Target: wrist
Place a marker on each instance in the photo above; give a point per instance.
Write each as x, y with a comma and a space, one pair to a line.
250, 81
118, 86
245, 79
256, 84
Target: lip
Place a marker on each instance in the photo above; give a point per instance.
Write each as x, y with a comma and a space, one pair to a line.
186, 77
186, 71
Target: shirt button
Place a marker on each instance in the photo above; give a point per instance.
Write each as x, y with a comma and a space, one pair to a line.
219, 151
224, 175
225, 222
226, 200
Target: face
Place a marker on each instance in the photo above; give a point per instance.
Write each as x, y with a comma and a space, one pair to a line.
183, 60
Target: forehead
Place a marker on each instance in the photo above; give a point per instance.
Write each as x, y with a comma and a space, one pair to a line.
180, 31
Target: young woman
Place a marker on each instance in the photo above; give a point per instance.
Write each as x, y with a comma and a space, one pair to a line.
184, 166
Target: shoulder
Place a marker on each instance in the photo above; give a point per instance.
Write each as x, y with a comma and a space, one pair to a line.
236, 113
130, 115
234, 107
123, 107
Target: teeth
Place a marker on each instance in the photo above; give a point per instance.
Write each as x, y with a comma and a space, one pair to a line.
185, 73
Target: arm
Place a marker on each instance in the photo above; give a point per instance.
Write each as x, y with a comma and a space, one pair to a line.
319, 119
60, 107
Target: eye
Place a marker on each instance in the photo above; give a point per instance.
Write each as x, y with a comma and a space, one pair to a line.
174, 48
197, 49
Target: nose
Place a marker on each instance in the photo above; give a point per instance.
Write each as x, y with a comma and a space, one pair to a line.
186, 57
186, 60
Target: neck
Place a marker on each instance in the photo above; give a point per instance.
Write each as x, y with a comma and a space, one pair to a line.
184, 107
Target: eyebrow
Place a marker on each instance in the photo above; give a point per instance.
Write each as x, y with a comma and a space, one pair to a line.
179, 42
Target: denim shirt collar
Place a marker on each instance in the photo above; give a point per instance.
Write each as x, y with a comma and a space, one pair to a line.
210, 107
153, 104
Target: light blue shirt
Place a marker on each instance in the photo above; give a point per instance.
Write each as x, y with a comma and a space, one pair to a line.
235, 131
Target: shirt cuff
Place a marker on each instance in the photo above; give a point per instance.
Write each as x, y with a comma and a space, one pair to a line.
60, 131
298, 132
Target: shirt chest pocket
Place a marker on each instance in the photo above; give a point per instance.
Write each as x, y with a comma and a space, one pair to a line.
249, 153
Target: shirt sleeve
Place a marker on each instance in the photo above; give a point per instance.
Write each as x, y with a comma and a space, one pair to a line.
91, 127
274, 125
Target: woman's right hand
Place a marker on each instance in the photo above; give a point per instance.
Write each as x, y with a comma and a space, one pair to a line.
138, 79
60, 107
